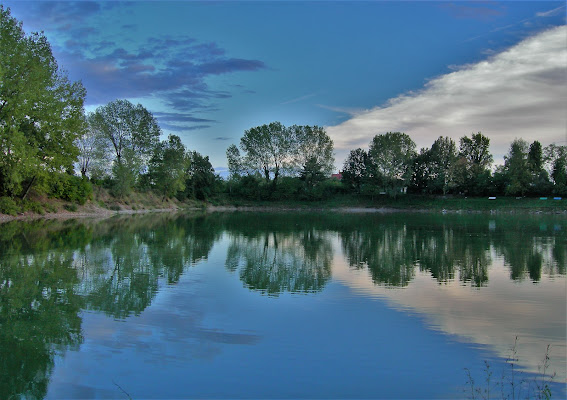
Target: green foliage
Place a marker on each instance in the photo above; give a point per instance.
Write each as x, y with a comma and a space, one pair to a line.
289, 188
422, 174
535, 157
247, 187
268, 149
312, 174
8, 206
34, 206
311, 143
559, 176
390, 157
70, 207
130, 134
70, 187
471, 170
443, 154
517, 168
273, 150
167, 167
92, 159
123, 181
41, 111
235, 166
355, 169
201, 181
50, 208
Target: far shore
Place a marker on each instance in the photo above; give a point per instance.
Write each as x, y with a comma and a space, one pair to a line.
93, 211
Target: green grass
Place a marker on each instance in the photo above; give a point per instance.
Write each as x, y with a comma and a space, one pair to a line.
71, 207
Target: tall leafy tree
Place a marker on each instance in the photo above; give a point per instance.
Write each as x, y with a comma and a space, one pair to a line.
269, 150
312, 173
273, 150
234, 159
41, 111
443, 154
201, 181
391, 154
92, 158
311, 143
167, 167
559, 175
355, 169
551, 154
471, 170
540, 183
517, 168
422, 173
129, 135
535, 157
555, 162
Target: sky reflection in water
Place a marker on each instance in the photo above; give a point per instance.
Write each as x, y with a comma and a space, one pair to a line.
277, 305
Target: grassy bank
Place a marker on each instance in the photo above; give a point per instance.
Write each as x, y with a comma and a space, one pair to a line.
103, 203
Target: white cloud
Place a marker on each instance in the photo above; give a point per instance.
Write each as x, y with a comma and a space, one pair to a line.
519, 93
549, 13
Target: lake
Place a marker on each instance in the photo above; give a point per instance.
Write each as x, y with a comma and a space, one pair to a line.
283, 305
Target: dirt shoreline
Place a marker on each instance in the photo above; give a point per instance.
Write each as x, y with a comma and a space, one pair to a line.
102, 213
90, 212
94, 211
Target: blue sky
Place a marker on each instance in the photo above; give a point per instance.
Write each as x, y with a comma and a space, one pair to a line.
210, 70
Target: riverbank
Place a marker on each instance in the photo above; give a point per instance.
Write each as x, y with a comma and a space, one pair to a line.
104, 206
407, 203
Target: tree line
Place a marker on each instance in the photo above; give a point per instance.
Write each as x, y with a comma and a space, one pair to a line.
45, 135
279, 162
47, 140
392, 163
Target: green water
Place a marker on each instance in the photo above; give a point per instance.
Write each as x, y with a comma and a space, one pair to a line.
272, 305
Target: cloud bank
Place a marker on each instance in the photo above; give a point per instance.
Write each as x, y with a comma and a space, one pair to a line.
519, 93
173, 70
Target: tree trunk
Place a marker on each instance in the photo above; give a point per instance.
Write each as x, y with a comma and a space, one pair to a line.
29, 187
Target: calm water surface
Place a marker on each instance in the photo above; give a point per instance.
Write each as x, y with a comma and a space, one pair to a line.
300, 305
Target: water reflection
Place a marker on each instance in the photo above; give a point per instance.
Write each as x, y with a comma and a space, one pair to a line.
273, 257
386, 251
120, 270
50, 271
392, 247
39, 306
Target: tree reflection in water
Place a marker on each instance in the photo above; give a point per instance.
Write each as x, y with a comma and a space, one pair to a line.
392, 246
39, 306
279, 253
51, 270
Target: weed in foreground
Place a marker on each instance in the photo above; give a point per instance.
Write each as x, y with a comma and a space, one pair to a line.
512, 384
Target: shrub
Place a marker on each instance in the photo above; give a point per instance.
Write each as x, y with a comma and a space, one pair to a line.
71, 207
34, 206
50, 208
70, 188
8, 206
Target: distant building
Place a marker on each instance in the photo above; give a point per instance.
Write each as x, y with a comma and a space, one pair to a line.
338, 176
